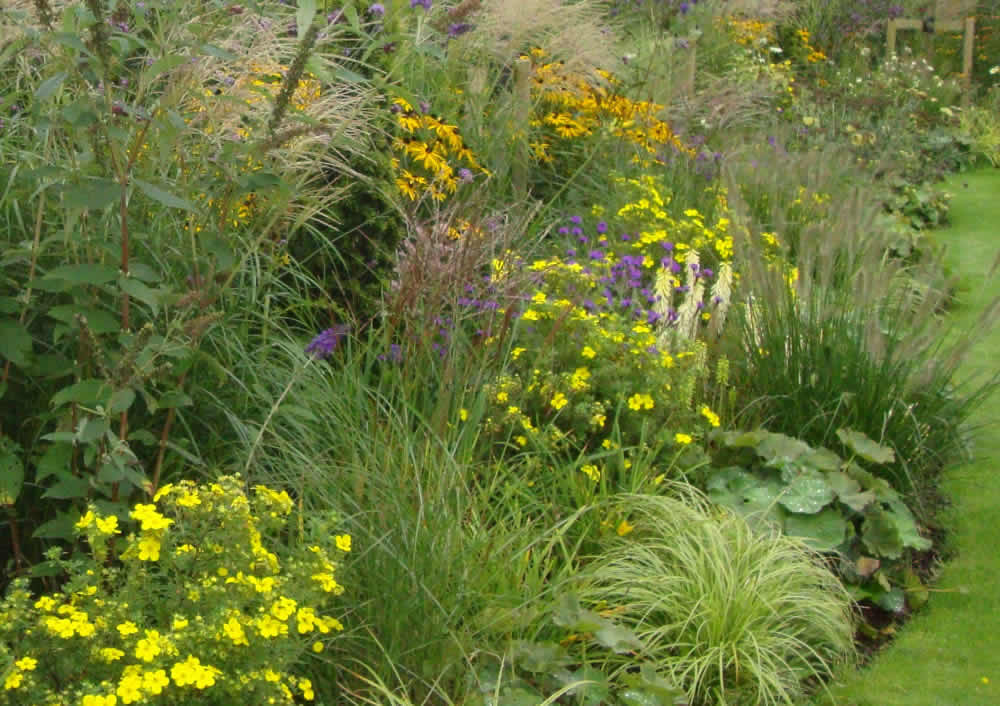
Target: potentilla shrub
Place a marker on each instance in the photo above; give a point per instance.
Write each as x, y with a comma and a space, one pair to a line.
206, 600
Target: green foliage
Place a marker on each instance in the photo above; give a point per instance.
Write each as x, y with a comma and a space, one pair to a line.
211, 596
730, 613
834, 505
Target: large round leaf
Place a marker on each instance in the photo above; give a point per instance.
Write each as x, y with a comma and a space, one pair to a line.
824, 531
807, 493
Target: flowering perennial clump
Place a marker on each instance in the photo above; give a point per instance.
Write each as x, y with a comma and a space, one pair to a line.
572, 105
208, 602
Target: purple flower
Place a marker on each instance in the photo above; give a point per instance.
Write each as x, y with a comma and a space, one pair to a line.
596, 255
457, 29
326, 341
564, 230
377, 9
666, 245
602, 227
575, 220
426, 4
577, 230
465, 175
625, 236
684, 8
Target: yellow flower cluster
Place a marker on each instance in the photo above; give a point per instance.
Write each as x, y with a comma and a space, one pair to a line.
572, 105
228, 615
422, 154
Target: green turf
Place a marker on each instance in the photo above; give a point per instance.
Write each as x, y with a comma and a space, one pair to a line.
949, 653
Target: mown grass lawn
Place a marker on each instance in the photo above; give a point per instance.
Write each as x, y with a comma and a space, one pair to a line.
946, 654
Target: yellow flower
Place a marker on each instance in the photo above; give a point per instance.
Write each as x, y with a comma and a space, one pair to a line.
588, 352
283, 608
234, 631
317, 646
307, 690
153, 682
269, 627
516, 353
463, 414
148, 647
149, 547
45, 603
624, 528
98, 700
111, 654
130, 688
530, 315
598, 420
683, 439
86, 521
711, 416
502, 397
127, 628
26, 664
192, 672
149, 518
559, 401
13, 680
640, 401
108, 525
592, 471
343, 542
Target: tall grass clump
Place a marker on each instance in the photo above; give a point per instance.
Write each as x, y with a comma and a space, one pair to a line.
731, 614
846, 338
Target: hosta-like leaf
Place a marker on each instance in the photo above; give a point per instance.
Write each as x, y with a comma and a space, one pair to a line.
807, 493
906, 525
864, 447
879, 534
824, 531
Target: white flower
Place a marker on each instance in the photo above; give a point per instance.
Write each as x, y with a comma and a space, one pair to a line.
775, 50
995, 70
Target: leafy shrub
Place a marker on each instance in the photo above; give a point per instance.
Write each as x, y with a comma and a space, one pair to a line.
833, 505
208, 599
729, 613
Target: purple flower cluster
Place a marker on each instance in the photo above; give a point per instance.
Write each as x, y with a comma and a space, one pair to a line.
325, 342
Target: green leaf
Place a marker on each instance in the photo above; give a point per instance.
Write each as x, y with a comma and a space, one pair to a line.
137, 290
824, 531
590, 686
164, 64
879, 534
15, 342
823, 460
54, 462
121, 400
917, 593
164, 197
92, 194
98, 320
807, 493
849, 491
618, 639
47, 88
86, 273
906, 525
893, 600
90, 392
91, 429
864, 447
568, 614
11, 472
540, 657
305, 15
219, 52
779, 450
68, 487
68, 39
60, 527
174, 398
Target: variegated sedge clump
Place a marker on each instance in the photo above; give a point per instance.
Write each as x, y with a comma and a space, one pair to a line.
209, 601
